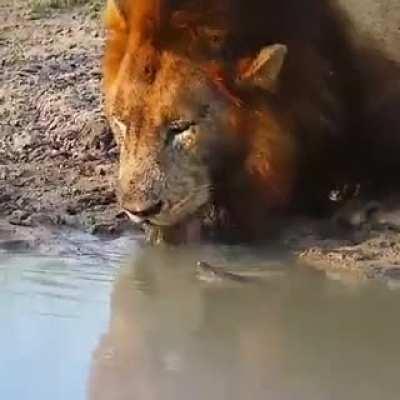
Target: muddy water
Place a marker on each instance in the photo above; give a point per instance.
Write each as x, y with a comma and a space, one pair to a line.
148, 326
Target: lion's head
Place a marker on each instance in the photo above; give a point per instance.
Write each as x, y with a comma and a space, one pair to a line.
180, 121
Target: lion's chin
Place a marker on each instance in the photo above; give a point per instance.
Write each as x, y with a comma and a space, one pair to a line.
163, 220
188, 231
169, 219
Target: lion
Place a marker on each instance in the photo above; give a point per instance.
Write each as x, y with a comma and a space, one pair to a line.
249, 109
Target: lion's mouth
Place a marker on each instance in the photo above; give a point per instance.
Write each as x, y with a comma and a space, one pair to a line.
168, 214
137, 220
162, 219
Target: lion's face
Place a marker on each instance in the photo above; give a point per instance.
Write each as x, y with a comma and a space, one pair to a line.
171, 133
179, 121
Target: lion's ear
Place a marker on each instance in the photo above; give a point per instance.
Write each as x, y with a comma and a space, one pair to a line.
263, 71
114, 18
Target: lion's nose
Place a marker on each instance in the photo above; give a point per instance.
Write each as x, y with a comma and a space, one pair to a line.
145, 212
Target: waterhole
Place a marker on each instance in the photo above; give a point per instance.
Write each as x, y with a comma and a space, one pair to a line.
121, 321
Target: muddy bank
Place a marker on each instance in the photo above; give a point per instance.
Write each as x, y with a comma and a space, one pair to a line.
58, 160
57, 156
369, 249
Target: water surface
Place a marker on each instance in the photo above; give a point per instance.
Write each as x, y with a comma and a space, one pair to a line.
102, 324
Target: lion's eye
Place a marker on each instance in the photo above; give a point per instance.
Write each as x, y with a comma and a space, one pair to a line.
177, 127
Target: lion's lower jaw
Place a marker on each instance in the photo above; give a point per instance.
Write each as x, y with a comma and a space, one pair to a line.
188, 232
209, 221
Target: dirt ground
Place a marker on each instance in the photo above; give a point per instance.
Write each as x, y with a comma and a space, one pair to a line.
57, 156
58, 159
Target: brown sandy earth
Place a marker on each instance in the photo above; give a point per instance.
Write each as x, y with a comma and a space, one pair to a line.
58, 159
57, 156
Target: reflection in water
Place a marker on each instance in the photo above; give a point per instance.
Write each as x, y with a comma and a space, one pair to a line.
300, 336
87, 328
